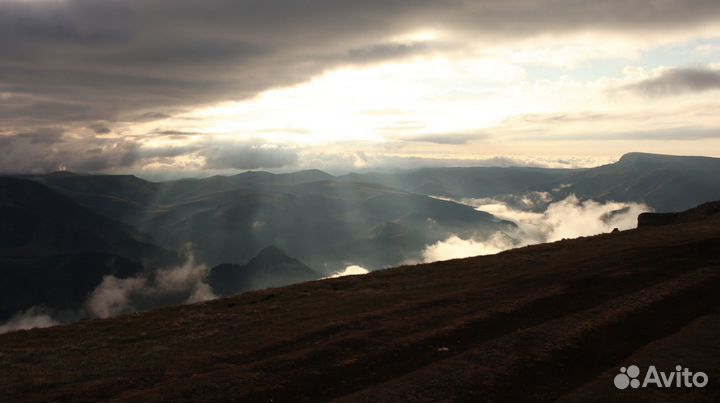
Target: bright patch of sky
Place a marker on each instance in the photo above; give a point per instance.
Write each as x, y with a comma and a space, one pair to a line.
481, 101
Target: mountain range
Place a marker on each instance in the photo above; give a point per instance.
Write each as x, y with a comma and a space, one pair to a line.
664, 182
549, 322
327, 223
62, 234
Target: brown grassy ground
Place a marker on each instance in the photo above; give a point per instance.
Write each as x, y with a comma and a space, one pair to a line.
540, 323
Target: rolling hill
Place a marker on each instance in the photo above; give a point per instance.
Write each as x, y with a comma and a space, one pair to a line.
540, 323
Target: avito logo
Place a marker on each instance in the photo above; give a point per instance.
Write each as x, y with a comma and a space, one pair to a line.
680, 378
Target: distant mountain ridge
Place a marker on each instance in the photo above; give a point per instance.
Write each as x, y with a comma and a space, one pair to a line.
308, 213
38, 221
466, 182
62, 225
229, 219
666, 183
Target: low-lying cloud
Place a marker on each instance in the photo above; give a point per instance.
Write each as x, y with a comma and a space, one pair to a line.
31, 318
455, 247
81, 61
352, 270
185, 283
567, 218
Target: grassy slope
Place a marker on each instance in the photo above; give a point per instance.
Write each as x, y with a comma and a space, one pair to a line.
695, 346
537, 323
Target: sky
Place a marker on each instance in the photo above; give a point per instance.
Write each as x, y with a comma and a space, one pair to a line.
185, 88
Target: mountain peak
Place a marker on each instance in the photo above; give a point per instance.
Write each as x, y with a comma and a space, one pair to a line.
271, 255
271, 267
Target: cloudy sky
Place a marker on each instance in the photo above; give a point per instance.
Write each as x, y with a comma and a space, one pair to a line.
185, 87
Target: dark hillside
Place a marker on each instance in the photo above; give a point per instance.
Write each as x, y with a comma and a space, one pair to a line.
54, 252
270, 268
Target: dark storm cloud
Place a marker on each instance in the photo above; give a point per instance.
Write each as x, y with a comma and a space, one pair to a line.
28, 110
46, 150
678, 81
42, 136
31, 152
118, 57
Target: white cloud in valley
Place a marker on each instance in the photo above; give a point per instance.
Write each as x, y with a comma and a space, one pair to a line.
351, 270
121, 295
567, 218
35, 317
